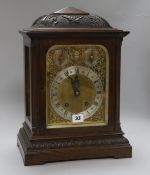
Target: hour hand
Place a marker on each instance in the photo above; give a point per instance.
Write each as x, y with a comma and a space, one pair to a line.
76, 85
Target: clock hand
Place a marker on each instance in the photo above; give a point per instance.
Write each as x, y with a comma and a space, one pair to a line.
76, 85
72, 83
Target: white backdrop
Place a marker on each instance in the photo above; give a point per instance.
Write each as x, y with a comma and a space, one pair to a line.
132, 15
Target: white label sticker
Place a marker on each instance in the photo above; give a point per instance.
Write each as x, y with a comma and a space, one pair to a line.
77, 118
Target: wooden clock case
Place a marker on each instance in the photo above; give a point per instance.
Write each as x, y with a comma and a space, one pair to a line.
38, 144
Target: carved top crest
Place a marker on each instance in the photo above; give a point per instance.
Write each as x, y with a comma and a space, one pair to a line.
70, 17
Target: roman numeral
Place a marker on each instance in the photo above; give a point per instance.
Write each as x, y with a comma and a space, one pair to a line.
96, 81
98, 92
66, 73
55, 94
65, 113
96, 103
77, 70
57, 105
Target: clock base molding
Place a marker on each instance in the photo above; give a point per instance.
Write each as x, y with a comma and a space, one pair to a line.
40, 152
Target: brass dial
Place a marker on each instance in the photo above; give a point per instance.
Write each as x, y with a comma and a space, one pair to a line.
76, 90
77, 84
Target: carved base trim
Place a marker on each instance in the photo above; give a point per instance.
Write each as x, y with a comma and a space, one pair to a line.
35, 152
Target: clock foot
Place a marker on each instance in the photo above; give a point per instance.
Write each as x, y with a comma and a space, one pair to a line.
40, 152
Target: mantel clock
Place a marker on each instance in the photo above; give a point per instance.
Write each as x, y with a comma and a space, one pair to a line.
72, 89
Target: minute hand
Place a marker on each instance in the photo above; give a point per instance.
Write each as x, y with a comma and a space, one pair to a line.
75, 83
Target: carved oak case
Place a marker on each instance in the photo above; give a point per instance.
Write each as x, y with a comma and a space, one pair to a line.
72, 89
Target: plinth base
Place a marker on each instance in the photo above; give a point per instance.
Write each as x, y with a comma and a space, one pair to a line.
39, 152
